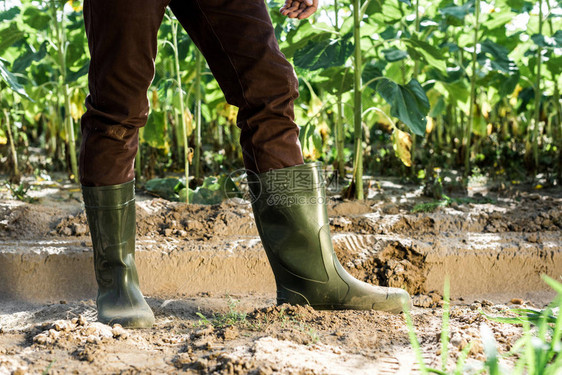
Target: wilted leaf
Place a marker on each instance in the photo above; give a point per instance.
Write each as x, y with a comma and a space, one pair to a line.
402, 144
155, 130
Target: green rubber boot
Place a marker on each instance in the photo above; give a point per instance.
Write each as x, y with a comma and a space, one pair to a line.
289, 207
111, 217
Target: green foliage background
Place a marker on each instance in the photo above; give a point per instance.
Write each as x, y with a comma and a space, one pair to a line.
426, 93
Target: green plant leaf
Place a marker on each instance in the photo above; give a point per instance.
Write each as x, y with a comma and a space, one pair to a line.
9, 14
394, 54
430, 54
25, 59
72, 76
496, 56
409, 103
11, 80
458, 12
213, 191
38, 19
374, 7
337, 79
166, 188
324, 54
9, 36
498, 19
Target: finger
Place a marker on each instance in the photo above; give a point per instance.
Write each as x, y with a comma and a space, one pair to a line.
307, 12
294, 6
293, 15
288, 4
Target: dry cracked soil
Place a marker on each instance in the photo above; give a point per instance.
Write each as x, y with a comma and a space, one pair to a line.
244, 332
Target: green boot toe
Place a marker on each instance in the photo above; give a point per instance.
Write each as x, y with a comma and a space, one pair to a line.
289, 207
112, 220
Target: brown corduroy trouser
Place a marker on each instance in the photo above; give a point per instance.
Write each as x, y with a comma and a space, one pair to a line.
237, 39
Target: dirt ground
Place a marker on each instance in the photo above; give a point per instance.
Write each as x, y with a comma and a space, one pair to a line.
241, 333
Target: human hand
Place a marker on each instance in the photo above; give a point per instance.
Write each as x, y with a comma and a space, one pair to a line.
299, 8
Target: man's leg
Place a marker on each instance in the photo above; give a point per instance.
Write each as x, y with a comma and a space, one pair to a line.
122, 41
238, 41
122, 38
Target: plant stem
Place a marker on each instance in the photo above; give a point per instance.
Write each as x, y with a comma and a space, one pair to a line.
197, 122
67, 119
472, 104
182, 109
12, 145
537, 97
340, 132
416, 74
558, 134
357, 108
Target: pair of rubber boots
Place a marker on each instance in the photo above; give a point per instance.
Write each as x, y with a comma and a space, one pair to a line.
290, 212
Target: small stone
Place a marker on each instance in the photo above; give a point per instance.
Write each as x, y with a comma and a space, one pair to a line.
119, 331
516, 301
475, 306
41, 339
91, 339
201, 364
80, 229
532, 237
422, 300
231, 333
182, 359
168, 232
54, 334
19, 371
81, 320
264, 370
456, 340
66, 231
477, 347
61, 325
205, 331
205, 343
